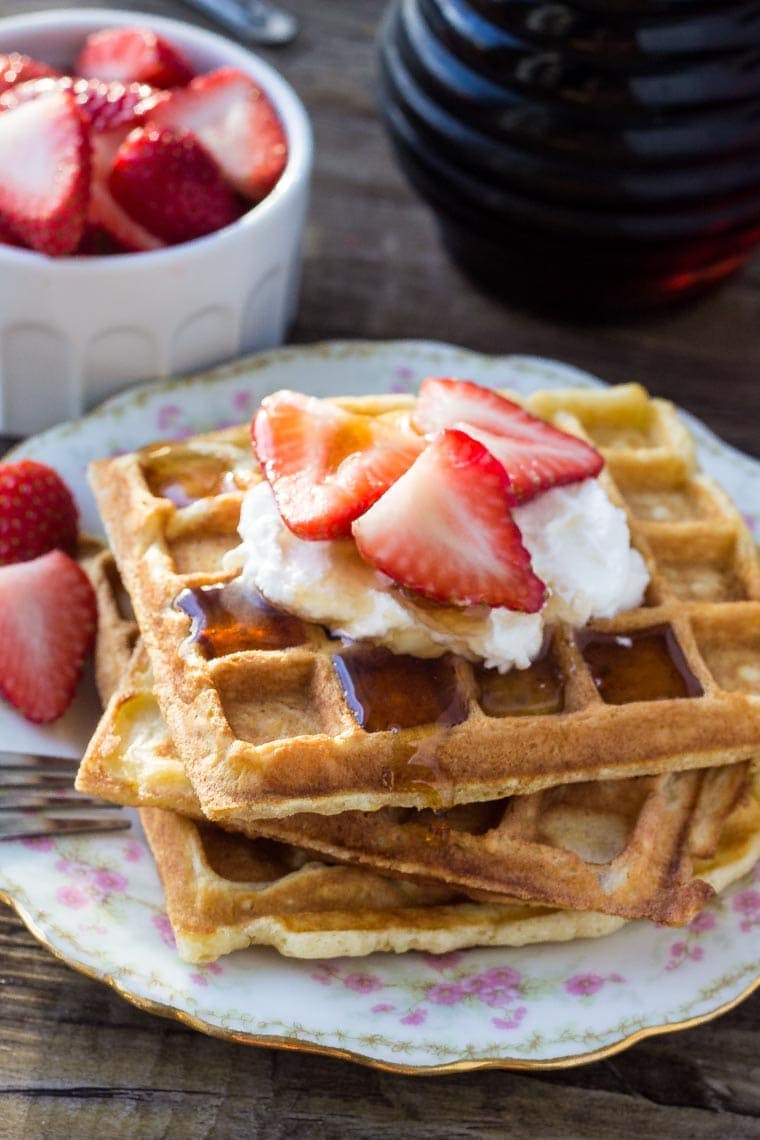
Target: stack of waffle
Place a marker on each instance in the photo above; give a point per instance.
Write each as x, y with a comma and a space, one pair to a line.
335, 800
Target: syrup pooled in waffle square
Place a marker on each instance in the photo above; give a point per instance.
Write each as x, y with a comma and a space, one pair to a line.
273, 716
621, 847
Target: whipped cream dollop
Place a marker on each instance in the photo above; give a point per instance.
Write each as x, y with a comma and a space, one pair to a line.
578, 540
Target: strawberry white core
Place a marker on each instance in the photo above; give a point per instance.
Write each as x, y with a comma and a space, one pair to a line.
579, 545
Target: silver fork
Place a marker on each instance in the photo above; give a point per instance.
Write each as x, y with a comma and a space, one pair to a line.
37, 797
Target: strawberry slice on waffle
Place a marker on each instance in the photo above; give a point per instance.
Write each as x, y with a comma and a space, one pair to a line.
535, 455
444, 529
326, 466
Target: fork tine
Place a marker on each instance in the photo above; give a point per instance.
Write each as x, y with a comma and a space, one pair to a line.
37, 797
63, 800
26, 761
30, 826
11, 780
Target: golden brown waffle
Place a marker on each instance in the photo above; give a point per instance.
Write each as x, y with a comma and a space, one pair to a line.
117, 628
224, 892
622, 847
263, 724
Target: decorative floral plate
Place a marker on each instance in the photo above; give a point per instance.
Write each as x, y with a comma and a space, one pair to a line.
96, 901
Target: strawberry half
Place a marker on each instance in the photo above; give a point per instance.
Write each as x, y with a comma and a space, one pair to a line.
105, 105
326, 466
37, 511
45, 172
132, 55
535, 455
48, 615
236, 123
104, 212
170, 184
444, 530
17, 68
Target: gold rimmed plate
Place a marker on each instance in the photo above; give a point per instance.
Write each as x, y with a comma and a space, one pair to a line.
96, 901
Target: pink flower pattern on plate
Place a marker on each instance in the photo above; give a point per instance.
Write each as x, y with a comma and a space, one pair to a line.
584, 985
38, 842
72, 897
747, 904
164, 928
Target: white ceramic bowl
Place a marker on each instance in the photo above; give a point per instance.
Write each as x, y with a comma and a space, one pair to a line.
75, 330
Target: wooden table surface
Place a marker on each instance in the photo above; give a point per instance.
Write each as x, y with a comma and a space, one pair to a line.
78, 1061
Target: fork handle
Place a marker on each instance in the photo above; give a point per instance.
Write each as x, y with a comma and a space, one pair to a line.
256, 22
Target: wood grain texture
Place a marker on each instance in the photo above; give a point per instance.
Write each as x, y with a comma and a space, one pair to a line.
75, 1059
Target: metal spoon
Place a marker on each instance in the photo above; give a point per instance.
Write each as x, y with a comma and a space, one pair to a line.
257, 21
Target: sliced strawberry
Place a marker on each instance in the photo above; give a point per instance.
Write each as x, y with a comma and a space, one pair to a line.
17, 68
444, 529
326, 466
97, 242
236, 123
47, 624
37, 511
45, 172
106, 105
133, 55
9, 238
104, 212
170, 184
534, 454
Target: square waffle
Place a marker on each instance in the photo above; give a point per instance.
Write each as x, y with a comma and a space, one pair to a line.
622, 847
272, 717
226, 891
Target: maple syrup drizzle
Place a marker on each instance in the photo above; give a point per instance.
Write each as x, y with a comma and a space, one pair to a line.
644, 665
536, 691
225, 619
184, 476
417, 770
387, 691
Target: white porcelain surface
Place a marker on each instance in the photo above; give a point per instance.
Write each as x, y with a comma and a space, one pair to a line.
74, 331
98, 903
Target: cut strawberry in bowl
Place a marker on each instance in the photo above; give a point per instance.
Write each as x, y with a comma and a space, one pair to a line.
133, 55
445, 530
535, 455
48, 615
105, 105
45, 159
168, 183
103, 211
37, 511
106, 321
235, 121
326, 466
15, 68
